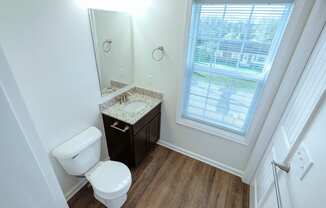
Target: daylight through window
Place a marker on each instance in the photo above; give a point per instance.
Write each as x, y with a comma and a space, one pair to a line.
231, 50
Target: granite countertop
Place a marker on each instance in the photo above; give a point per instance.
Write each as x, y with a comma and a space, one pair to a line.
116, 110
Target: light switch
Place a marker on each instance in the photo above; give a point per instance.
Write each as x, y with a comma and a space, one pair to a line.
302, 162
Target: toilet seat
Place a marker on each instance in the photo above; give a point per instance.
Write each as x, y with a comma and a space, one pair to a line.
109, 179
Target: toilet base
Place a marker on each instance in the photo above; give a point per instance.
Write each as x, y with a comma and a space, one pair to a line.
112, 203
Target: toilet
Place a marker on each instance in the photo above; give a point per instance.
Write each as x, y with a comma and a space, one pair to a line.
80, 156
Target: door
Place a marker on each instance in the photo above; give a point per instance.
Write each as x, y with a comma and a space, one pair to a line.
299, 141
26, 177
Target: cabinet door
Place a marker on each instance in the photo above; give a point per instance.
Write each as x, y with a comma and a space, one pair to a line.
141, 144
154, 130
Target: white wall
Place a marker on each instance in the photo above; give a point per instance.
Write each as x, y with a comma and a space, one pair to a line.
116, 65
27, 178
165, 24
48, 47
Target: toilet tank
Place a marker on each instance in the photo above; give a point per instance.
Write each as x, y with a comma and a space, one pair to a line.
81, 152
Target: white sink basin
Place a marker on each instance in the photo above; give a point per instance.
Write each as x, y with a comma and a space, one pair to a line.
134, 106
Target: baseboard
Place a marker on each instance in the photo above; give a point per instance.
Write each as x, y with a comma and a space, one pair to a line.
75, 189
201, 158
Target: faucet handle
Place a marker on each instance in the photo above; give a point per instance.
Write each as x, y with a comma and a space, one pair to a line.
120, 98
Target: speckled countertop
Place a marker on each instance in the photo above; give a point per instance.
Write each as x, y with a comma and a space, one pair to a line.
116, 110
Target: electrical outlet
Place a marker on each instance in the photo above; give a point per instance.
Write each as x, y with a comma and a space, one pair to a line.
302, 162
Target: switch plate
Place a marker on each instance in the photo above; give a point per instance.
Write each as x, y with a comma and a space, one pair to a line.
302, 162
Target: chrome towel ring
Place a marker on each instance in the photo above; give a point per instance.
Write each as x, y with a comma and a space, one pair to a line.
158, 53
107, 46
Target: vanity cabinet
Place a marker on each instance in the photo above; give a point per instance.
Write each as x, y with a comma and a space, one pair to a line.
129, 143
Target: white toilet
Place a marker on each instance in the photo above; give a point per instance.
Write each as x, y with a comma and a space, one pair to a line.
80, 156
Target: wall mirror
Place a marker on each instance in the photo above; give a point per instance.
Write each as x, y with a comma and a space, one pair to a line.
113, 46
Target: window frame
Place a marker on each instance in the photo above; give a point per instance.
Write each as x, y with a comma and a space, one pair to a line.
261, 105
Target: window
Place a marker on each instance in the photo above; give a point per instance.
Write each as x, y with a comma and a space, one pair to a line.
230, 53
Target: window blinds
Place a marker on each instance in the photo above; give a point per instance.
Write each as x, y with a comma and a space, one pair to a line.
205, 2
231, 50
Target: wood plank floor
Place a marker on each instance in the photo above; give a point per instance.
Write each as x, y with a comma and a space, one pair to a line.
167, 179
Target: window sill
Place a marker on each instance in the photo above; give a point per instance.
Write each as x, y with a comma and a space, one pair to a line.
213, 131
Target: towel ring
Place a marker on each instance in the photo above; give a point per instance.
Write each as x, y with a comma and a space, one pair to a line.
107, 46
158, 53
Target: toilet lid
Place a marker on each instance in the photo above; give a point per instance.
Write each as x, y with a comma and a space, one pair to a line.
110, 179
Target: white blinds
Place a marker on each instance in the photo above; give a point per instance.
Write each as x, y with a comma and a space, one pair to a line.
231, 51
243, 1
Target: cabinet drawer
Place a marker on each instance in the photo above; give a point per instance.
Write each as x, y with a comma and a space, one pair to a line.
109, 122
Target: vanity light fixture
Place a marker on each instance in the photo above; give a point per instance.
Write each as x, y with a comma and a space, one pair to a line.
129, 6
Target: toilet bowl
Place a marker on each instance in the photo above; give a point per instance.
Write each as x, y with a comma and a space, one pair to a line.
110, 181
80, 156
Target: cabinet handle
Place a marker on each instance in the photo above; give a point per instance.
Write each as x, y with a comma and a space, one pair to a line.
114, 125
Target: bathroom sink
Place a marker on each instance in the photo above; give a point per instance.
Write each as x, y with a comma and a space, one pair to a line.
134, 106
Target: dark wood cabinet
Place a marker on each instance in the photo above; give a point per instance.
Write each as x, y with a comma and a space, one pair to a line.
141, 143
154, 130
131, 143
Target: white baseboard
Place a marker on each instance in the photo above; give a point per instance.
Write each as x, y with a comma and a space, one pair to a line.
75, 189
201, 158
